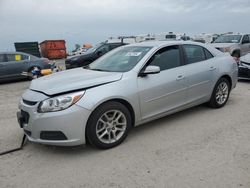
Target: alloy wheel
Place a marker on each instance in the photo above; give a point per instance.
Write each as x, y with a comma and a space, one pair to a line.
111, 126
222, 93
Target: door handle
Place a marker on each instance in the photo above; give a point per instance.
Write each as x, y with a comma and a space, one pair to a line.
212, 68
180, 77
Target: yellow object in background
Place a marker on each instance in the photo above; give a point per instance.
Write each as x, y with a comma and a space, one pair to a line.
46, 71
18, 57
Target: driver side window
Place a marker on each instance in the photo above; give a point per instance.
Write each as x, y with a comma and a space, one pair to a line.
245, 39
166, 58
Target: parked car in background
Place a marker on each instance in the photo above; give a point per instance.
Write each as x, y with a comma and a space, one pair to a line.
91, 55
128, 86
236, 44
199, 40
244, 67
13, 64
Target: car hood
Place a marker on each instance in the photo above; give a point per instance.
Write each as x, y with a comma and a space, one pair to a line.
222, 45
72, 80
245, 58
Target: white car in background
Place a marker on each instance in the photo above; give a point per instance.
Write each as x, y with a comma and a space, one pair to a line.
236, 44
244, 67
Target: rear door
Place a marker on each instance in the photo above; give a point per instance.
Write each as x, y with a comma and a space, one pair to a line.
200, 72
167, 90
16, 64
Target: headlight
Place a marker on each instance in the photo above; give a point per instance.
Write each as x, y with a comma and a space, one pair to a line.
59, 103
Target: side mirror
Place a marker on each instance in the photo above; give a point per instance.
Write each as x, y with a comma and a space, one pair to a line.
150, 70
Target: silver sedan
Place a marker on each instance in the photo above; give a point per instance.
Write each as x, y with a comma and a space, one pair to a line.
126, 87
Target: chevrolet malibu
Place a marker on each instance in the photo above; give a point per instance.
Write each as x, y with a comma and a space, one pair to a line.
127, 87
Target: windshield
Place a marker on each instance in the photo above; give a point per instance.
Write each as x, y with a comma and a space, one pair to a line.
228, 39
120, 60
93, 49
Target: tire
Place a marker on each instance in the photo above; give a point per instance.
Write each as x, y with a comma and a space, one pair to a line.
220, 93
108, 125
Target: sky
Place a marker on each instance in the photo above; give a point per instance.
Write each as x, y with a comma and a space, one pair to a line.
94, 21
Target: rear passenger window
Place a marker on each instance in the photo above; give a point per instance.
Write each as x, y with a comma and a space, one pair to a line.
194, 53
166, 58
208, 54
11, 57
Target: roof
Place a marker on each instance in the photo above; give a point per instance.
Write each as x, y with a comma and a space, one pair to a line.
164, 43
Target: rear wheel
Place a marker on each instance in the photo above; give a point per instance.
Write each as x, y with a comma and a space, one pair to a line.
220, 93
109, 125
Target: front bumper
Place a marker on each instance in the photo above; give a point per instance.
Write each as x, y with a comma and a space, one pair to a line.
70, 122
244, 72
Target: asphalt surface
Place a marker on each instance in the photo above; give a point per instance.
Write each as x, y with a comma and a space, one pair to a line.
195, 148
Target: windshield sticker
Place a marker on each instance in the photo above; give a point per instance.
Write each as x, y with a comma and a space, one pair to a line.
133, 54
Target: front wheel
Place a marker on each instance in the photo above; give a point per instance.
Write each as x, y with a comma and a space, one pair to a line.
109, 125
220, 93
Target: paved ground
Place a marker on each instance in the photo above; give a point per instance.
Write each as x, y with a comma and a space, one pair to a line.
196, 148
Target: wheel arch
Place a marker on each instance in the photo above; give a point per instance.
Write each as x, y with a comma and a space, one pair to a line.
119, 100
226, 76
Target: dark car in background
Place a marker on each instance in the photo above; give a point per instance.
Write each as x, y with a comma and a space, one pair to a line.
91, 55
244, 67
13, 64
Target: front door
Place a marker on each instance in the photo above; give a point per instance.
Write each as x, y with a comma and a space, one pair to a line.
159, 93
